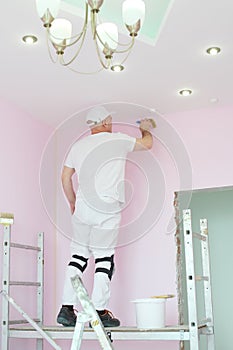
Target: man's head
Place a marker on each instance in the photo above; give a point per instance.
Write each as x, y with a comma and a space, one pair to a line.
99, 119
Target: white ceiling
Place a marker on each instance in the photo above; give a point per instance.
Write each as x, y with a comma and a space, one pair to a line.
153, 74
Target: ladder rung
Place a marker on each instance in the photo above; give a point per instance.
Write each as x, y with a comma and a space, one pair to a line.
35, 284
22, 246
205, 321
12, 322
202, 278
199, 236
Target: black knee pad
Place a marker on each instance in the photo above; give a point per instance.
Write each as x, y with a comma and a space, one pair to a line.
79, 262
103, 269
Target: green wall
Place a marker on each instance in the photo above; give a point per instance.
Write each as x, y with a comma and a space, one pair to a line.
217, 206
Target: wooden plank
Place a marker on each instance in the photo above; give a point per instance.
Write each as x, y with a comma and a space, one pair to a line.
175, 328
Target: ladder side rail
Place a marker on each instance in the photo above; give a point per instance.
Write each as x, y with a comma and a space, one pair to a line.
90, 314
5, 285
190, 280
39, 329
207, 285
40, 289
78, 335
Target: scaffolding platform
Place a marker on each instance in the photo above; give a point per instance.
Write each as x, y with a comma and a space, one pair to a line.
37, 330
118, 333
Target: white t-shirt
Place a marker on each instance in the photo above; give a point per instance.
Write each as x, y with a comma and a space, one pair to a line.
99, 161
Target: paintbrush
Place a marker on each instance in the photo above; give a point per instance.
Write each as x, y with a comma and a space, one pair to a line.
165, 296
153, 123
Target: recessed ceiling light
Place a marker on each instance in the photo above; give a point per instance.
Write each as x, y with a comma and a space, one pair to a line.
117, 68
29, 39
213, 50
185, 92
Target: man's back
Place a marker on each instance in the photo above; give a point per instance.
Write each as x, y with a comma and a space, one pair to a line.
99, 161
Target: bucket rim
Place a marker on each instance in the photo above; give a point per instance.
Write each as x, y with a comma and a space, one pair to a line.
149, 300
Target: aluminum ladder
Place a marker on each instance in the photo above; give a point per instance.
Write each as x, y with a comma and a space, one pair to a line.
89, 314
7, 219
192, 278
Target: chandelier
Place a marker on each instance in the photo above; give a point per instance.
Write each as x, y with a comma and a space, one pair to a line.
105, 35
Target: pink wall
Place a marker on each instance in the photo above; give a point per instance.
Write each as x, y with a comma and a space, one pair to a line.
145, 267
22, 140
207, 135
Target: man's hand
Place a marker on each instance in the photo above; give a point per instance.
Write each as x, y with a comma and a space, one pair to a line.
147, 124
72, 208
146, 141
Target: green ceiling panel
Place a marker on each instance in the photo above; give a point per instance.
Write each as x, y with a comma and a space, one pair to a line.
156, 12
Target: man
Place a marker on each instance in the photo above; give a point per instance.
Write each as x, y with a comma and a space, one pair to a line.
99, 161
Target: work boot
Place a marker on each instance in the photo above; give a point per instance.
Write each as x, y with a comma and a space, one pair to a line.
66, 317
108, 319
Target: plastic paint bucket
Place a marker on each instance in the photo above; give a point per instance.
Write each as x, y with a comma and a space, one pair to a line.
150, 313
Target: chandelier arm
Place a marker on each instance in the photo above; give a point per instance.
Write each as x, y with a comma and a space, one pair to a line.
117, 42
76, 54
79, 72
84, 29
93, 24
126, 57
129, 48
63, 46
48, 47
100, 57
95, 34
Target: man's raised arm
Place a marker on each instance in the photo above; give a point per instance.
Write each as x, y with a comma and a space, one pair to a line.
146, 141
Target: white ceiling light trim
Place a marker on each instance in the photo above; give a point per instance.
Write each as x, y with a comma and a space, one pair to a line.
185, 92
29, 39
213, 50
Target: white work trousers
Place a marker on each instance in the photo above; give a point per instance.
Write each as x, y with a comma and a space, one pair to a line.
94, 233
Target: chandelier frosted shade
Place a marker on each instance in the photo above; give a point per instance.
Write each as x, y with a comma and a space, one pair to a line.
61, 32
133, 11
107, 38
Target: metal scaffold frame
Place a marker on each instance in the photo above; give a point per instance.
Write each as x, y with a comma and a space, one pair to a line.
36, 330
